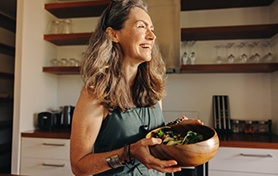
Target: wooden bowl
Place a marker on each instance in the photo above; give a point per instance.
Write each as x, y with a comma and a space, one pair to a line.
188, 155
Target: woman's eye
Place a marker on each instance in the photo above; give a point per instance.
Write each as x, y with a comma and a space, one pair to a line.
141, 26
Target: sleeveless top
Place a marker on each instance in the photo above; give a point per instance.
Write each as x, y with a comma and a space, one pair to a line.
121, 128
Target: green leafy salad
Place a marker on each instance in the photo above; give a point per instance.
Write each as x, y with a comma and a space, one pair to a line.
172, 137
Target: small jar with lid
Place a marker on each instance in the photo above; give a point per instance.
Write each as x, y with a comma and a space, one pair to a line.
263, 127
248, 126
236, 126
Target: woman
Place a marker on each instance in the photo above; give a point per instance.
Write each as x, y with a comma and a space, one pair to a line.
121, 100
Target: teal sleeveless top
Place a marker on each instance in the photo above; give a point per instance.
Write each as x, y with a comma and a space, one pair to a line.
120, 128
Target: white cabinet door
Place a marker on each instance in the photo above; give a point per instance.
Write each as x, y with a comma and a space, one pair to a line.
245, 160
45, 148
45, 167
45, 157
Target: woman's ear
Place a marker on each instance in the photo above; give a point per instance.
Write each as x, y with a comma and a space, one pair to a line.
112, 34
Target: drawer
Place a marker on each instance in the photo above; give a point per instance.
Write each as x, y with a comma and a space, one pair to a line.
45, 167
259, 161
45, 148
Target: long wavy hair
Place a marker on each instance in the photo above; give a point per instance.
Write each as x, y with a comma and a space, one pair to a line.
101, 69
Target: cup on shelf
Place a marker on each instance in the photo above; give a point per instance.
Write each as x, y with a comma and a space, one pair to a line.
56, 26
54, 62
67, 26
73, 62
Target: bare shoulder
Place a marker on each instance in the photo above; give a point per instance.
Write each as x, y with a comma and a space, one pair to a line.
87, 118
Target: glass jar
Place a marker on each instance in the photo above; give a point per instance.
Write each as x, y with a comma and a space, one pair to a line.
55, 27
263, 127
236, 126
67, 26
248, 126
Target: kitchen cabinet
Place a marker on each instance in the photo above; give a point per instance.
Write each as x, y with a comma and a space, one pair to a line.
7, 54
231, 161
47, 156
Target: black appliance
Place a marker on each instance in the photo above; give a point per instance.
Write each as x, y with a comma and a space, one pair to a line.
66, 116
49, 120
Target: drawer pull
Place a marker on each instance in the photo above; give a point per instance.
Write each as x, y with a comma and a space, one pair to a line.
256, 155
53, 165
52, 144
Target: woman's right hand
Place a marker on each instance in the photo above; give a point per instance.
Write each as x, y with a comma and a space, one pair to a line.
140, 151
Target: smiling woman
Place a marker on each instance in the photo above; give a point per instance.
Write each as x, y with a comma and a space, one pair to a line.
123, 74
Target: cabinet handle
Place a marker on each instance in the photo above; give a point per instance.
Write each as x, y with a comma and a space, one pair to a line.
256, 155
52, 144
53, 165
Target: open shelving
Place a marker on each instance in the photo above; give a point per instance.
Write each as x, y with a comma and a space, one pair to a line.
77, 9
187, 5
7, 23
96, 7
6, 75
230, 68
8, 50
62, 70
229, 32
68, 39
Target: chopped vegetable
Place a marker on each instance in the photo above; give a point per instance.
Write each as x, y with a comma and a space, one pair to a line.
172, 137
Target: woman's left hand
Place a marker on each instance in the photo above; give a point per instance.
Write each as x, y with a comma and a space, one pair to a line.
188, 121
140, 151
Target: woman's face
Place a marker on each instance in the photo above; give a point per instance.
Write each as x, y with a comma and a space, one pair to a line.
137, 37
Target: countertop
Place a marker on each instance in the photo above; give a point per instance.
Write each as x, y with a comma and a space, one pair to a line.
263, 141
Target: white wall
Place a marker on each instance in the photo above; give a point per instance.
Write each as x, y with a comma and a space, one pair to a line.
34, 90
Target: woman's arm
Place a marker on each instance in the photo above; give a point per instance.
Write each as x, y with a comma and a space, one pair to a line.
87, 119
86, 123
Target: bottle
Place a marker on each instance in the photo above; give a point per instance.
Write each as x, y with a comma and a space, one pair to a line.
184, 58
193, 58
236, 127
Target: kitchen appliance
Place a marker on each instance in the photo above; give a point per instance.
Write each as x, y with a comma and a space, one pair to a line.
49, 120
66, 116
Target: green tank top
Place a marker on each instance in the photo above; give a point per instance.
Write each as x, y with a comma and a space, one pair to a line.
120, 128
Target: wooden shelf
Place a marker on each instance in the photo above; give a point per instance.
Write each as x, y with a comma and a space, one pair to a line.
230, 68
6, 75
229, 32
77, 9
187, 5
68, 39
62, 70
7, 23
96, 7
8, 50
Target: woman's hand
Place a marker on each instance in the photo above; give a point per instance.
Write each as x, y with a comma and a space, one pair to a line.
188, 121
192, 121
140, 151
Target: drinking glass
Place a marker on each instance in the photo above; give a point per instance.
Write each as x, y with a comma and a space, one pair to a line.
219, 53
230, 53
241, 57
268, 57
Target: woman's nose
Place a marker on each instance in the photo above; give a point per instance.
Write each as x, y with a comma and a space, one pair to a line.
150, 35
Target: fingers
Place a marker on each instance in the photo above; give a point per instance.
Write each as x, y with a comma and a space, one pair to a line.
140, 150
166, 166
163, 165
